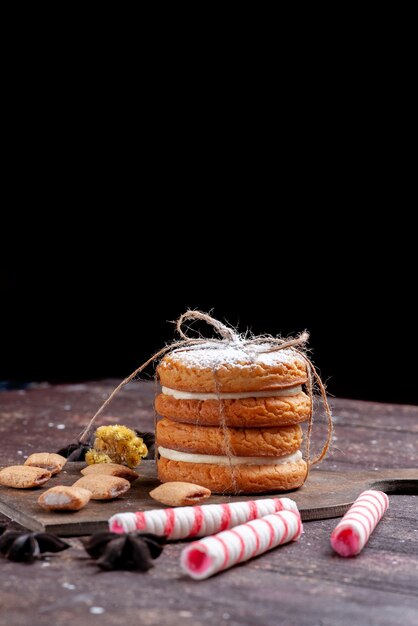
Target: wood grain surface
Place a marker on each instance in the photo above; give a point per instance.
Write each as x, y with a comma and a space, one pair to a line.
325, 495
298, 584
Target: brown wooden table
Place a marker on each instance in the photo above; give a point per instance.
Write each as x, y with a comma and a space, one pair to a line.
299, 584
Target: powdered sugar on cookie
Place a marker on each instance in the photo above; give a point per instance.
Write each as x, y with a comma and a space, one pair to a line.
237, 354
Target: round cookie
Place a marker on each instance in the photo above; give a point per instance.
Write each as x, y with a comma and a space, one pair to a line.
244, 478
242, 413
233, 441
215, 368
231, 415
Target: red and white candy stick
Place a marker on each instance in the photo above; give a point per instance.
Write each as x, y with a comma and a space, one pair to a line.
352, 533
197, 521
208, 556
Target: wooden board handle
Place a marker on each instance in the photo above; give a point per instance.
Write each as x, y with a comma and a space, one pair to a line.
397, 481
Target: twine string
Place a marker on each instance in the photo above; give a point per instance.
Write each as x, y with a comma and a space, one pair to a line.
228, 336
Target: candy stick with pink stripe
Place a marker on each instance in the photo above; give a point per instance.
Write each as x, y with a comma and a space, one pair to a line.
198, 521
210, 555
352, 533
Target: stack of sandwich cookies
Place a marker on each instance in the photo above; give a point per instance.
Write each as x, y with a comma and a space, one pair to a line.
231, 418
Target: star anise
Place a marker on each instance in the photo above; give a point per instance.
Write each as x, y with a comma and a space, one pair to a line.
129, 552
149, 440
18, 545
74, 451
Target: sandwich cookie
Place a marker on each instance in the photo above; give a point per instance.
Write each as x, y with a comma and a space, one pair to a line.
231, 417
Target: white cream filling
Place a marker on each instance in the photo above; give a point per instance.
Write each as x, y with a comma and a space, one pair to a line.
57, 498
186, 457
186, 395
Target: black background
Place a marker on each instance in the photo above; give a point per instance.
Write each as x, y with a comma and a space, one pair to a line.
87, 303
278, 193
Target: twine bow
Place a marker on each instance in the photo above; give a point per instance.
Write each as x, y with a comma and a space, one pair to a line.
228, 336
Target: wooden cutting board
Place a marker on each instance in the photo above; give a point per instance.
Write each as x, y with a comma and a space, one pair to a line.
326, 494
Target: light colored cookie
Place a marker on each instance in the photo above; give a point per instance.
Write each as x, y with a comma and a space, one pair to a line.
103, 487
180, 494
231, 369
235, 441
23, 476
111, 469
244, 413
47, 460
62, 498
242, 479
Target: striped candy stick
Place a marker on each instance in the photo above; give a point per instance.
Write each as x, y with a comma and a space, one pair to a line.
352, 533
197, 521
210, 555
